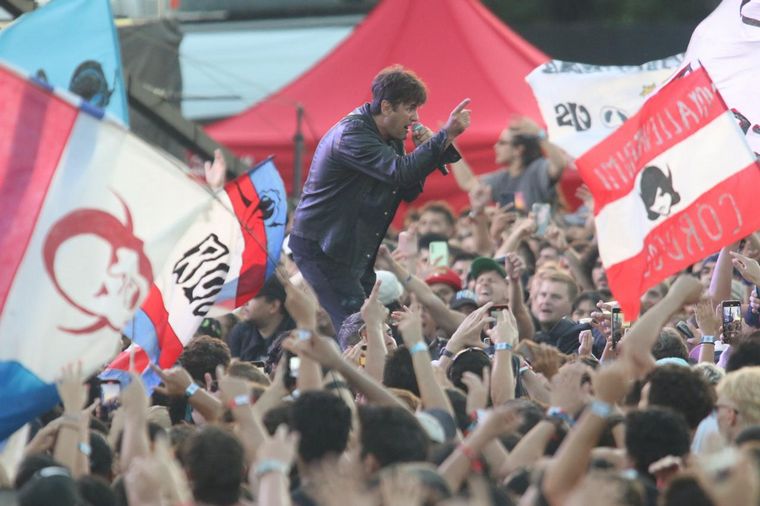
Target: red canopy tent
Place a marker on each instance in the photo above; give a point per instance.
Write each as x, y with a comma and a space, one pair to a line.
457, 47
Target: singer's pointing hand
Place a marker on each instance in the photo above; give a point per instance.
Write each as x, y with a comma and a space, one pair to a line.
459, 120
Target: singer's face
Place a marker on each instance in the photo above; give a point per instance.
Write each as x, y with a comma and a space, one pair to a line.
398, 120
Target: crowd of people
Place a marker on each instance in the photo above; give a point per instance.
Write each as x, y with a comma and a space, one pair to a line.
469, 358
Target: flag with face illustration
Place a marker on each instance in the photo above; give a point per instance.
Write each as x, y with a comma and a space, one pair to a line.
222, 261
89, 213
673, 184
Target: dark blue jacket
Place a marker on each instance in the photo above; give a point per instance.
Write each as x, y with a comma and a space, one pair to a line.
355, 184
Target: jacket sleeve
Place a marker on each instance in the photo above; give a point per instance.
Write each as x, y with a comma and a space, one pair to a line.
363, 151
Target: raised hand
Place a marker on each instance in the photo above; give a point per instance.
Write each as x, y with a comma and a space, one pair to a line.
611, 382
748, 267
373, 311
477, 389
514, 266
687, 289
468, 332
480, 197
505, 330
281, 447
176, 380
459, 120
72, 390
567, 389
216, 172
301, 304
410, 325
231, 387
318, 348
556, 237
585, 343
707, 320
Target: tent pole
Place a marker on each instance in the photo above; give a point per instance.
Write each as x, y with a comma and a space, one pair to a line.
298, 155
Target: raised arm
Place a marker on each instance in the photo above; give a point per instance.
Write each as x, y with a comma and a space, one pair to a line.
574, 455
720, 284
504, 337
514, 266
374, 314
637, 343
433, 396
72, 443
446, 319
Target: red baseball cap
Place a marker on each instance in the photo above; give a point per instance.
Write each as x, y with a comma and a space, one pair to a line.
446, 276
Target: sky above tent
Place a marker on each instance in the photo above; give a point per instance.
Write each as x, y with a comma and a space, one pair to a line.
227, 67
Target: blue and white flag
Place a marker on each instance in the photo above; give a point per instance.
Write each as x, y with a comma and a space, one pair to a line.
71, 44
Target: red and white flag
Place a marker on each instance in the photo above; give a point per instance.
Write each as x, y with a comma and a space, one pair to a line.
673, 184
88, 215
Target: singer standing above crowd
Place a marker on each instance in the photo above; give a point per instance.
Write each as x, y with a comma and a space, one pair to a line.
359, 175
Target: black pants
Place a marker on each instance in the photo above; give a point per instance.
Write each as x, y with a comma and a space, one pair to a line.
340, 290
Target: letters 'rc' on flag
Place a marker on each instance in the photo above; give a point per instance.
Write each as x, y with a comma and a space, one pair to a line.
222, 260
88, 214
672, 185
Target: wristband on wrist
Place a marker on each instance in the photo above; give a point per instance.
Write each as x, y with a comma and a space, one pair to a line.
191, 389
707, 340
447, 353
418, 347
560, 414
239, 400
601, 408
502, 347
84, 448
267, 466
473, 457
524, 369
302, 334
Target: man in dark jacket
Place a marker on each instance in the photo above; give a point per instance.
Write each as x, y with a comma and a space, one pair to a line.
358, 177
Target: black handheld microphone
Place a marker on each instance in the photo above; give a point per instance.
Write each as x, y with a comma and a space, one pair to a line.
441, 167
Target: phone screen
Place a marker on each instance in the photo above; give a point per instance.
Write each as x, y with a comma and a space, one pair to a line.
109, 392
616, 326
294, 363
732, 320
439, 254
542, 213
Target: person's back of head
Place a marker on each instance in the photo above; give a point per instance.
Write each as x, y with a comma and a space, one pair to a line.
248, 371
685, 489
683, 390
101, 457
214, 462
654, 433
739, 394
399, 371
348, 334
323, 421
472, 360
29, 465
202, 355
669, 344
96, 492
746, 353
390, 435
50, 486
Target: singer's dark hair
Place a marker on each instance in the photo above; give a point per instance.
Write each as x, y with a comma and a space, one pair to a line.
397, 85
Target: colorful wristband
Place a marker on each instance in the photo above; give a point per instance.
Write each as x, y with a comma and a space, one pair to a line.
303, 334
559, 413
191, 389
84, 448
271, 466
239, 400
502, 347
601, 409
418, 347
707, 340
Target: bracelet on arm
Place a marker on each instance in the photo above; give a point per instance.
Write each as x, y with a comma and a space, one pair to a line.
267, 466
191, 389
558, 413
475, 464
707, 340
239, 400
445, 352
502, 347
601, 409
418, 347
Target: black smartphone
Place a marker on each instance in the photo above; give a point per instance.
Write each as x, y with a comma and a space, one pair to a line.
684, 329
616, 326
494, 312
292, 364
732, 320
